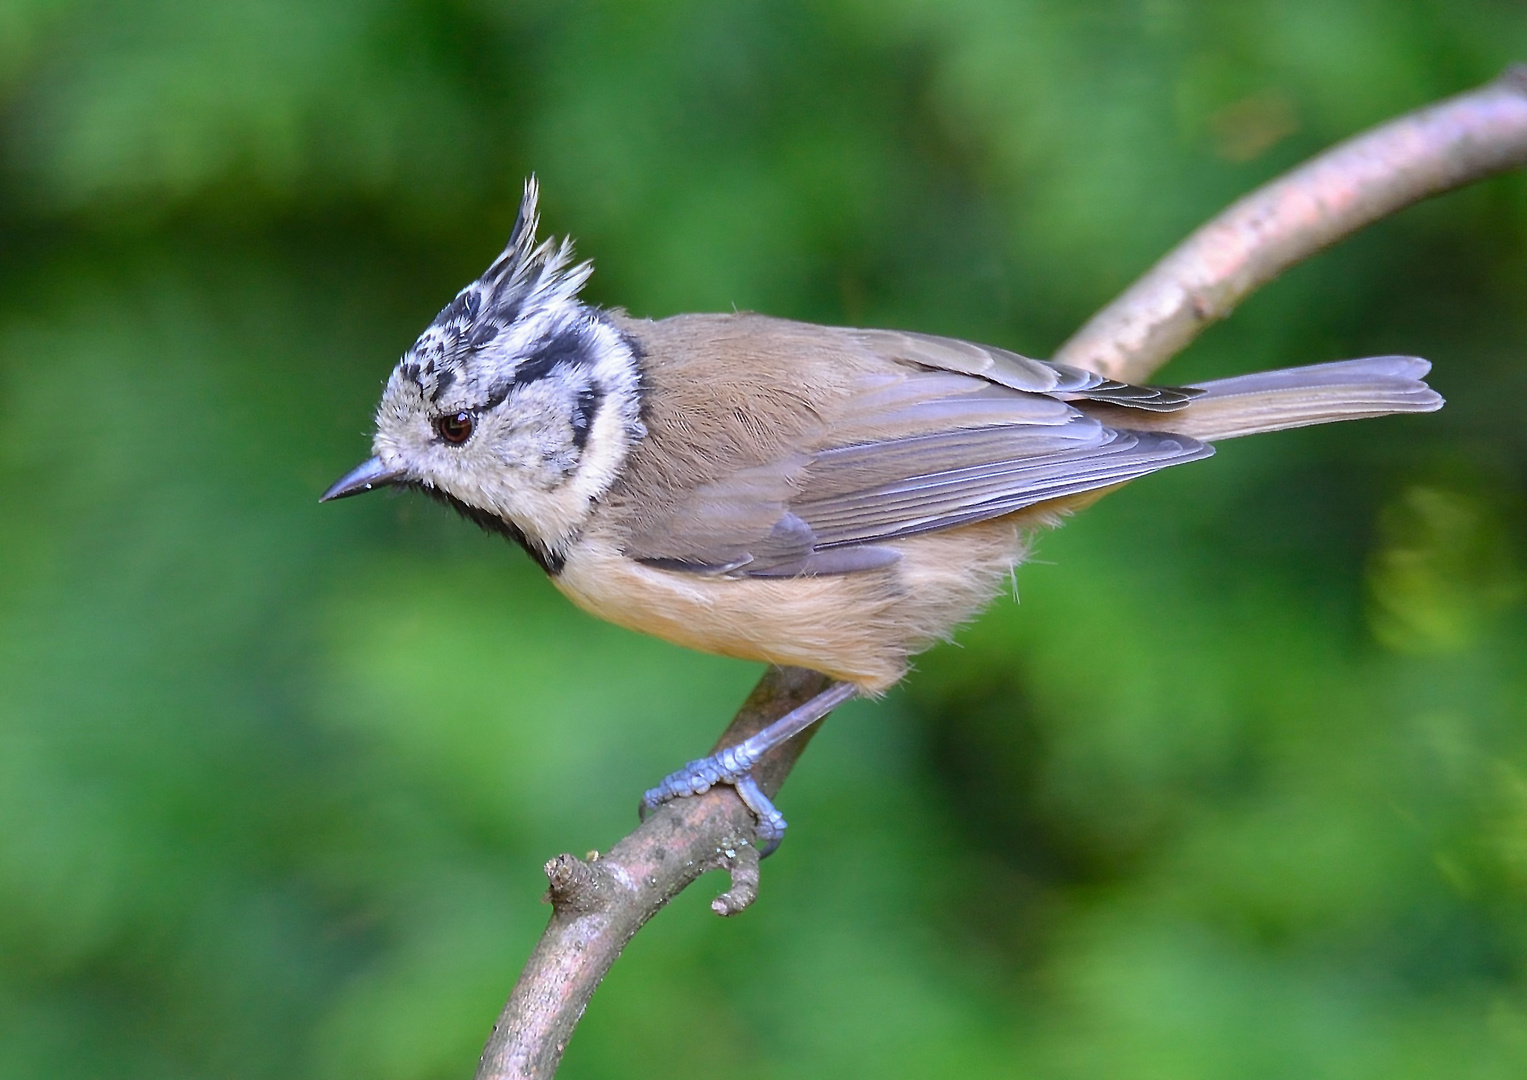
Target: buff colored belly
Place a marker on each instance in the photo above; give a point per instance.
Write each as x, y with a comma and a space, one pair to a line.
857, 627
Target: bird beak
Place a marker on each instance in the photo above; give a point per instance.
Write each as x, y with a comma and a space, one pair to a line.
369, 474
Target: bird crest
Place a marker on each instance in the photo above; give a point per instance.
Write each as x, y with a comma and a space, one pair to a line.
530, 275
532, 285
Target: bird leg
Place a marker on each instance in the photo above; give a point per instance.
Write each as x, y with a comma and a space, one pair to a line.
734, 765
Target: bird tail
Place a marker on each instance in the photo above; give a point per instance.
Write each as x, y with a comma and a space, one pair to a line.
1298, 397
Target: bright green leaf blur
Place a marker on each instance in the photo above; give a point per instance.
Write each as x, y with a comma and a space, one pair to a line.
1238, 789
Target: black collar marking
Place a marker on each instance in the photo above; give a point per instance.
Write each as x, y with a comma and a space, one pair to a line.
549, 561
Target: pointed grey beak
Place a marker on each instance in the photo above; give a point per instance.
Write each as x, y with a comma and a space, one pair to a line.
369, 474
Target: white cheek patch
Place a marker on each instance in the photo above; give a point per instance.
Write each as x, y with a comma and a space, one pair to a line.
603, 382
614, 418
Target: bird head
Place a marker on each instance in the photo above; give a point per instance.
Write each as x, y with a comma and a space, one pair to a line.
517, 404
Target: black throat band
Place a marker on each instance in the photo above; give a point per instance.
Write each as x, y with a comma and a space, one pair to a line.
549, 561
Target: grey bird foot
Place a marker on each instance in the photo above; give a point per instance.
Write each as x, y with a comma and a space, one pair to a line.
700, 776
734, 765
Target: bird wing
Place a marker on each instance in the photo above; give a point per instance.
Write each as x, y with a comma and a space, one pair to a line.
942, 437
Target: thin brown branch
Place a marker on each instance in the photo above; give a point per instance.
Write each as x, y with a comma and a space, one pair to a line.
600, 902
1353, 184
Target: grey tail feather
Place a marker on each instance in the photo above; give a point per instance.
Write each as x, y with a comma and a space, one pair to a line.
1297, 397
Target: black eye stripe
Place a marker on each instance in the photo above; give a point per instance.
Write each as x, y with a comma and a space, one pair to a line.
568, 347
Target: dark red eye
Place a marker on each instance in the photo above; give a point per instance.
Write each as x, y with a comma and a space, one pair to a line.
455, 428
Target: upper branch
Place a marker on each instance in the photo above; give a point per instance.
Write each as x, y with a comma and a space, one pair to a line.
1353, 184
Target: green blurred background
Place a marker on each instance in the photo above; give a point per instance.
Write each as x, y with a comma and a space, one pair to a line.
1239, 789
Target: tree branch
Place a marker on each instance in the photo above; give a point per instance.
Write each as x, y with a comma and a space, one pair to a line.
599, 903
1353, 184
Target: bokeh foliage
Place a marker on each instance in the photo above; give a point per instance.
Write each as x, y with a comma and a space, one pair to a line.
1238, 789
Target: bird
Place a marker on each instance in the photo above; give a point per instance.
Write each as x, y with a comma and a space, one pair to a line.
832, 498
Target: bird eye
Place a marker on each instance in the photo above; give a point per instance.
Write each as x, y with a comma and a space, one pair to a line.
455, 428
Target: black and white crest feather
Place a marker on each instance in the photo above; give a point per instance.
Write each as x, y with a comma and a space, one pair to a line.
531, 288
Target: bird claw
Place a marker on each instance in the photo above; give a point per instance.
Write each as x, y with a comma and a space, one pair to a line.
734, 765
771, 823
700, 776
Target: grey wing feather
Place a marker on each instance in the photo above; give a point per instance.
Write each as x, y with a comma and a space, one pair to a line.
1020, 372
935, 482
949, 434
